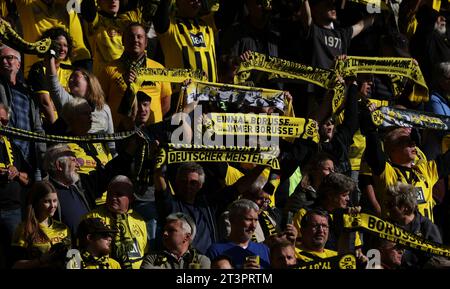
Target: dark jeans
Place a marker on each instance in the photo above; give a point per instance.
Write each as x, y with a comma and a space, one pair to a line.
9, 220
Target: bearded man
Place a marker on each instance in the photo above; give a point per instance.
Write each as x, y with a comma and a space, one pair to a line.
77, 192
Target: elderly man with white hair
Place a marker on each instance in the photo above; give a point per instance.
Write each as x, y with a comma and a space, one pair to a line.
130, 244
77, 192
178, 253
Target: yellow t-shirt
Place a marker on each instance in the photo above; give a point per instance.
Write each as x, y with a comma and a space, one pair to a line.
57, 232
191, 44
37, 17
297, 224
105, 38
300, 254
138, 229
423, 176
114, 87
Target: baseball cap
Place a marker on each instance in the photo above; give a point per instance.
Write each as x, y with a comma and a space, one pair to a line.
94, 226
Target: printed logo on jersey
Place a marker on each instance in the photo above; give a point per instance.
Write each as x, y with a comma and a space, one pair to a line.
198, 40
420, 196
134, 252
347, 262
112, 32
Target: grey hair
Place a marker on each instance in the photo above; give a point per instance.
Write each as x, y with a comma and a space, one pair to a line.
70, 109
52, 155
402, 194
239, 206
187, 223
17, 53
335, 183
186, 168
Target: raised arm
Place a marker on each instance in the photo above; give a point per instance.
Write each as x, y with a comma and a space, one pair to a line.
163, 196
161, 21
351, 122
306, 17
374, 153
362, 25
88, 10
57, 93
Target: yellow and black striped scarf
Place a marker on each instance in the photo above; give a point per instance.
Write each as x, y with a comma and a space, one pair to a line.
88, 260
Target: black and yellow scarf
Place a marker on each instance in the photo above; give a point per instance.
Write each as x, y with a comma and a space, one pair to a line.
123, 241
87, 260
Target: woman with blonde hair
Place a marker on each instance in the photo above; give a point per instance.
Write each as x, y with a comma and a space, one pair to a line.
40, 241
85, 85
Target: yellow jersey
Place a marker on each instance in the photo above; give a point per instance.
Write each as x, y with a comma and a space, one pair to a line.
308, 255
105, 38
422, 175
190, 43
137, 227
114, 87
297, 224
36, 17
57, 232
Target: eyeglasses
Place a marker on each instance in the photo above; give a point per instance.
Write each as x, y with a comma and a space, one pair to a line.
317, 227
8, 58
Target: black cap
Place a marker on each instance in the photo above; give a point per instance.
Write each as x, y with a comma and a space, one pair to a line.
142, 96
94, 226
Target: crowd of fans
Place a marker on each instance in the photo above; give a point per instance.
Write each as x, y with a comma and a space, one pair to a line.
55, 197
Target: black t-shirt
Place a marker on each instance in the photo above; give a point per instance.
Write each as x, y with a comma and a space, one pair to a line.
325, 44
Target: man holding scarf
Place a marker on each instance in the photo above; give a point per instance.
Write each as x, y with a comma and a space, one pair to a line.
119, 81
130, 244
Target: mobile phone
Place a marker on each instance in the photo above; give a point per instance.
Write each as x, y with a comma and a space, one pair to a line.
290, 218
